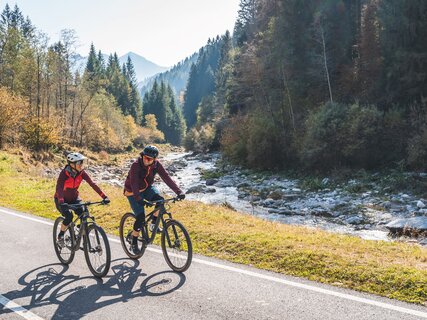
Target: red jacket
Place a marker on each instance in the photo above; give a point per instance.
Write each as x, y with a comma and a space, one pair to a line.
68, 184
141, 177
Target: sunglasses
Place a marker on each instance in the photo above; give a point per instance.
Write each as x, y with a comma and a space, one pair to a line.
149, 159
79, 163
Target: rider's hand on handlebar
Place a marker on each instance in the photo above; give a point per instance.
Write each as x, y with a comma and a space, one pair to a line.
181, 196
106, 200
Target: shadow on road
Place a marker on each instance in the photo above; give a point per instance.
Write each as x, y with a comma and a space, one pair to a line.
77, 296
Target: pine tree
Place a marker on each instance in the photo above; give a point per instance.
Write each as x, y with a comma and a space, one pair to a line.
402, 38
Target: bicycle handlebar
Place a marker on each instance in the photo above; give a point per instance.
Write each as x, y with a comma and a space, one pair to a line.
152, 203
78, 205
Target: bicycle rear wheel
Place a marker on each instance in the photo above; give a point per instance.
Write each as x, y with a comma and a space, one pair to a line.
97, 251
176, 246
126, 228
65, 252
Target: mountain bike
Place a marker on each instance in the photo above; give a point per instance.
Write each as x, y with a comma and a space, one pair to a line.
175, 240
95, 242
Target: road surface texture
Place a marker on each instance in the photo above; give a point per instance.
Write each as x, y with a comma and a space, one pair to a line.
34, 285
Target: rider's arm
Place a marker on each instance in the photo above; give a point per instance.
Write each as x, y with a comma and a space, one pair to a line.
60, 186
167, 179
134, 180
94, 186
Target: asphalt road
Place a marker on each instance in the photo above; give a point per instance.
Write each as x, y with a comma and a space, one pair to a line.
34, 285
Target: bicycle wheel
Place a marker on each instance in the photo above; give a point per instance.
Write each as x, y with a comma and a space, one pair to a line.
97, 251
65, 253
126, 228
176, 246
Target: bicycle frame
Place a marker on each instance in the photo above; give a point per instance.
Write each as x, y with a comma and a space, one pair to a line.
84, 223
162, 211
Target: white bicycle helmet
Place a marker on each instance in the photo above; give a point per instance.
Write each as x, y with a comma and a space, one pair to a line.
75, 156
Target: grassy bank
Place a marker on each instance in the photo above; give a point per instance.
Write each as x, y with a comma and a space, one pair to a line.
394, 270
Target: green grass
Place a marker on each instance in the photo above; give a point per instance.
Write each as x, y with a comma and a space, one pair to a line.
391, 269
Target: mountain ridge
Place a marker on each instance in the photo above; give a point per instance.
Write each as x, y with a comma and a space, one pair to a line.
144, 68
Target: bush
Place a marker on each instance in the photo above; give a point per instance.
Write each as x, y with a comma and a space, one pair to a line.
12, 112
342, 135
200, 139
40, 133
233, 140
149, 133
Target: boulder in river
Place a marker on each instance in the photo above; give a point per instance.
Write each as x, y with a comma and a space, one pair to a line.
420, 204
211, 182
410, 226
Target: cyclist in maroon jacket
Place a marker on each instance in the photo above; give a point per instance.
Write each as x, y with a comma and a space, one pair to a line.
67, 187
138, 186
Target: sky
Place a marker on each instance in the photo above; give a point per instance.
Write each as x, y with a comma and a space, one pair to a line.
163, 31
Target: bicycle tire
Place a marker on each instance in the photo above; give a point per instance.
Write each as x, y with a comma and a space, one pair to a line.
98, 235
170, 240
69, 239
125, 227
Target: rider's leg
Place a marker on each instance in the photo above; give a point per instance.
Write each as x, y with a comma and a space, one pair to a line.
67, 214
152, 194
139, 211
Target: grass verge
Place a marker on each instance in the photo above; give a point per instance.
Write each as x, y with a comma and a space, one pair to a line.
394, 270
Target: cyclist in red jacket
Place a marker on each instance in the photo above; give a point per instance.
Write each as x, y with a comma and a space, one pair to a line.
67, 187
138, 186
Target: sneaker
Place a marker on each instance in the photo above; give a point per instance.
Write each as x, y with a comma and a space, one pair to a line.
129, 237
134, 244
152, 226
60, 241
135, 248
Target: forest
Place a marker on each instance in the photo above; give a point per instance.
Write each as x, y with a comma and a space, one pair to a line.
305, 84
314, 85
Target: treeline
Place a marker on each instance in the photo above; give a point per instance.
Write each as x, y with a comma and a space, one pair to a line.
176, 77
160, 102
44, 103
317, 84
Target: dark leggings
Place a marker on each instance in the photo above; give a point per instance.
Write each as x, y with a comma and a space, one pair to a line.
67, 213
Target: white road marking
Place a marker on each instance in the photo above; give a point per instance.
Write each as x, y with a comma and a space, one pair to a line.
383, 305
8, 304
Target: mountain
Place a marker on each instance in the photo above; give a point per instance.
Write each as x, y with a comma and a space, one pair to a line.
144, 68
176, 77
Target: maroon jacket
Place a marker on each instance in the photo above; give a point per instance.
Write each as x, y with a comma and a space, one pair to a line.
141, 177
68, 184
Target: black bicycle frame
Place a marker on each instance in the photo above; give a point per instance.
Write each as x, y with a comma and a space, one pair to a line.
84, 224
161, 208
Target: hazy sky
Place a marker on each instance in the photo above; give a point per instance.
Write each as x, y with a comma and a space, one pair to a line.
163, 31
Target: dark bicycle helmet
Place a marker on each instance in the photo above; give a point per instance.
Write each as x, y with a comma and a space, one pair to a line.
150, 151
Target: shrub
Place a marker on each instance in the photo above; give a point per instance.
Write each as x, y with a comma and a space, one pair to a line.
200, 139
233, 139
149, 133
103, 155
12, 112
40, 133
322, 144
342, 135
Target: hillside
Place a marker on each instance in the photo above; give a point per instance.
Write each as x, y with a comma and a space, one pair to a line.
176, 77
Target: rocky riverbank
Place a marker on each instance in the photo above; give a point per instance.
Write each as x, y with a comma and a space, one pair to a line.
369, 210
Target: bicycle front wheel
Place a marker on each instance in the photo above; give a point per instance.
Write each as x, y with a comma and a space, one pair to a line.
64, 251
176, 246
97, 251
